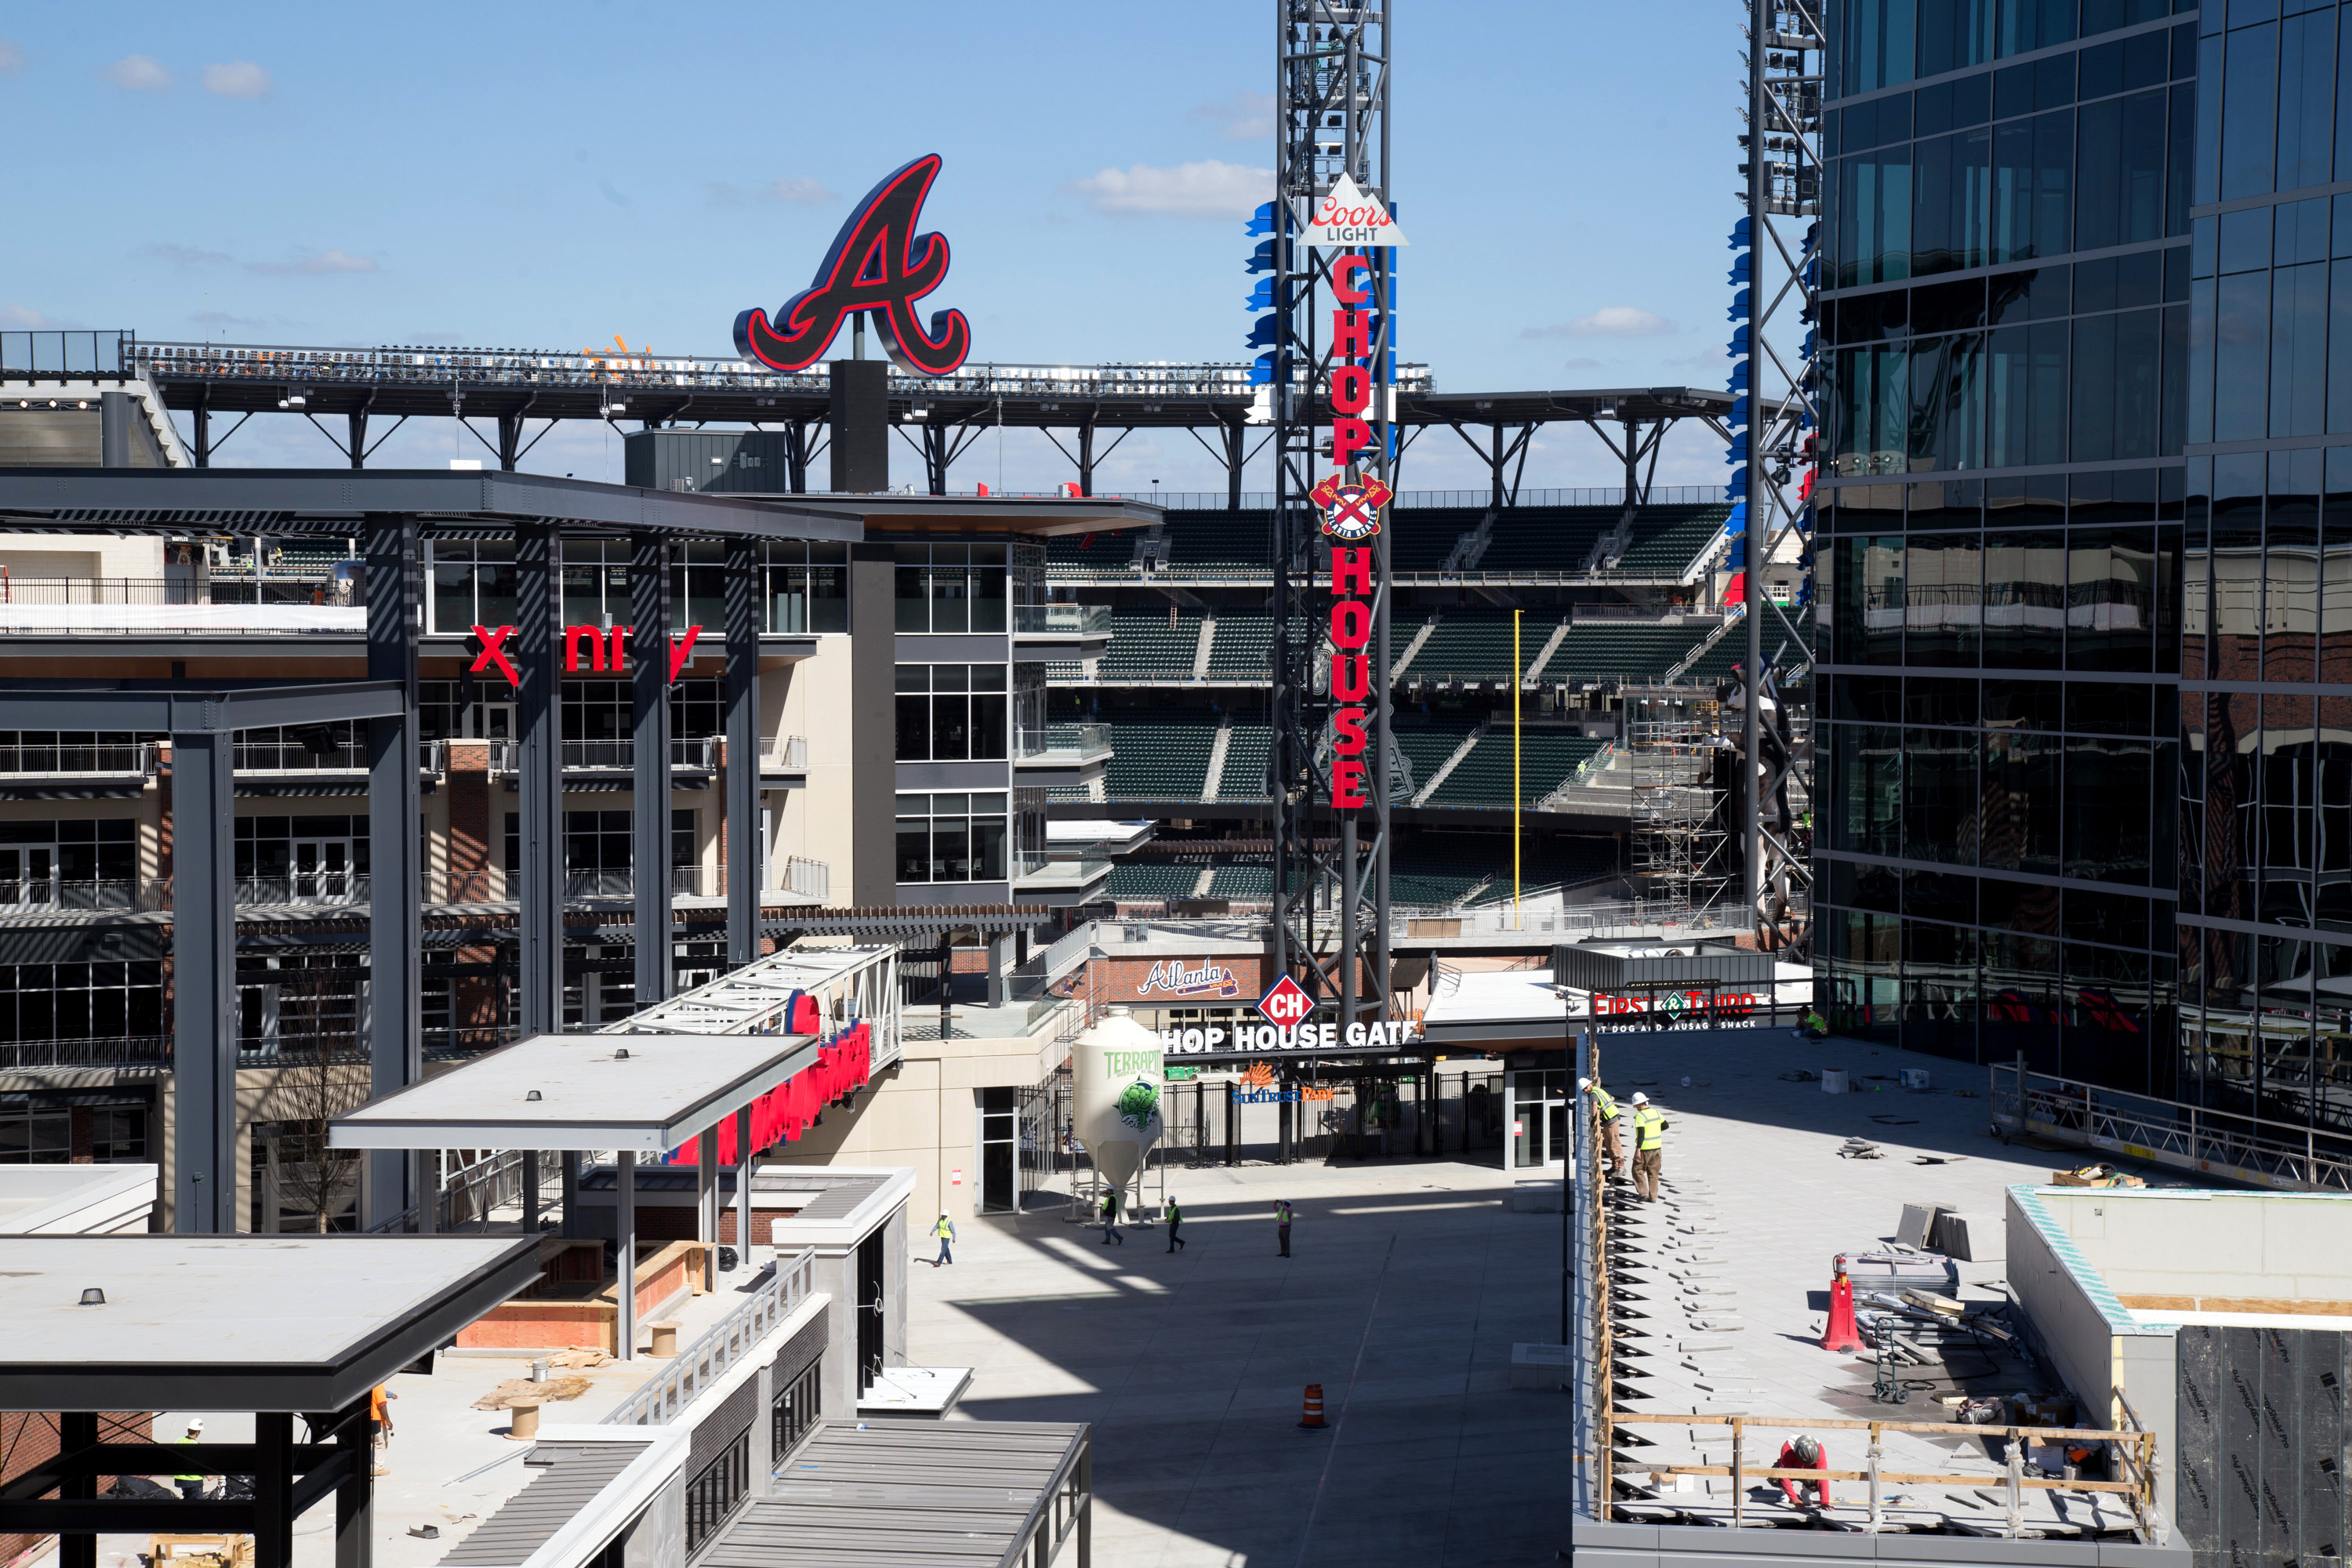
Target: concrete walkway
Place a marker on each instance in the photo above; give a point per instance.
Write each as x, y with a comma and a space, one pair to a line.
1410, 1280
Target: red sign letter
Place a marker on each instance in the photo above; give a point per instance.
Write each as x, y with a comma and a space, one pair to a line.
494, 651
1348, 729
1349, 437
1352, 623
571, 638
1352, 389
1351, 677
1347, 785
1351, 334
1344, 286
681, 651
1351, 569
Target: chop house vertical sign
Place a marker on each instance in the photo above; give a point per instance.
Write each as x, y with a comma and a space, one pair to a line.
1352, 503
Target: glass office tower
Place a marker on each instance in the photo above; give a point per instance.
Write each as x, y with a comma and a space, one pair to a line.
2265, 853
2008, 289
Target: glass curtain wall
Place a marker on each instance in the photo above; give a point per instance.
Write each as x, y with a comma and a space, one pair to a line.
2006, 403
2264, 853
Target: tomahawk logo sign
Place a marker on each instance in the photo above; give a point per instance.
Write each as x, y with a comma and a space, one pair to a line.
878, 264
1174, 979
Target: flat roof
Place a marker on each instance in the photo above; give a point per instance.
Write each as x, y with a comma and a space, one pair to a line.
895, 1493
236, 1322
643, 1093
73, 1199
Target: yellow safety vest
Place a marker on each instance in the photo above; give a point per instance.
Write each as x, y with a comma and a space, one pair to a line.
187, 1442
1649, 1127
944, 1231
1602, 1103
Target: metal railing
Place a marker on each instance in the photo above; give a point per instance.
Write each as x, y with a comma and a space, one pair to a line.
790, 753
623, 368
1074, 742
2136, 1493
1660, 495
221, 587
131, 1051
48, 895
296, 888
1061, 620
807, 879
2171, 1132
135, 759
703, 1362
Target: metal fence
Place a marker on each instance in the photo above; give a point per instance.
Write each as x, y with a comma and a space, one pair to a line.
2171, 1132
1659, 495
132, 1051
703, 1362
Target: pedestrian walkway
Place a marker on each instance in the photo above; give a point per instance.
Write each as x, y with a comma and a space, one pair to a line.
1408, 1284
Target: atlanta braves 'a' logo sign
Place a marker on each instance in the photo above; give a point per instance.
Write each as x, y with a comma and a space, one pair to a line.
877, 263
1351, 508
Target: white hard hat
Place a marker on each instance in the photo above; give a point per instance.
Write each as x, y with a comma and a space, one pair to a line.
196, 1423
1641, 1098
1583, 1084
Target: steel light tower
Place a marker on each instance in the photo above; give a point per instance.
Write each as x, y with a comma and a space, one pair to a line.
1775, 423
1332, 123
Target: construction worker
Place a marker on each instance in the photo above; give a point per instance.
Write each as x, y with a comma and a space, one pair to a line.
1282, 1218
945, 1231
1649, 1147
192, 1487
1612, 1144
1175, 1224
1803, 1454
1110, 1219
380, 1421
1816, 1026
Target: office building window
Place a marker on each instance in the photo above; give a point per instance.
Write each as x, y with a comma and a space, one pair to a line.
952, 837
950, 587
950, 712
36, 1136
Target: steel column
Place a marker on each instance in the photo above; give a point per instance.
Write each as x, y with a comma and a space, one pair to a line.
1750, 799
539, 717
745, 1166
358, 449
649, 712
77, 1431
746, 851
705, 1205
624, 1211
510, 441
395, 930
355, 1497
203, 984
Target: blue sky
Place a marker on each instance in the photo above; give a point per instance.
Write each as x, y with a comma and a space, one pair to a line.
546, 176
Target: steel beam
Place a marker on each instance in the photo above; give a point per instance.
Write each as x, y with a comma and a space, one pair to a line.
649, 714
746, 851
395, 930
538, 642
204, 983
181, 711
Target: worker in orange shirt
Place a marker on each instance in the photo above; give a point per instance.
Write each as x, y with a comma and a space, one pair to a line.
380, 1424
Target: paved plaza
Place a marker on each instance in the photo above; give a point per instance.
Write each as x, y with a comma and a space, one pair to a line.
1410, 1281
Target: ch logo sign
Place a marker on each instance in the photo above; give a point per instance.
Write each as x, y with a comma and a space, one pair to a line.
1286, 1003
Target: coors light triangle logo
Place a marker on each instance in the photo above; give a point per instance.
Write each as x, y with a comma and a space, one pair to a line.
1347, 218
879, 264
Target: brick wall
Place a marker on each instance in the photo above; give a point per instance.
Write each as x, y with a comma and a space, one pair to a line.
28, 1441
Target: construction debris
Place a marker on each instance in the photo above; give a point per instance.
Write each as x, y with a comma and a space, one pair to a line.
2098, 1175
505, 1395
1859, 1148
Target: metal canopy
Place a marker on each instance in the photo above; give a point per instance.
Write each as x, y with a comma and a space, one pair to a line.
283, 501
1614, 404
236, 1322
974, 1493
643, 1094
1619, 966
329, 501
215, 708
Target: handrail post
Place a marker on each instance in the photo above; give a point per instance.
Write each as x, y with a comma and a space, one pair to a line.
1739, 1487
1877, 1452
2016, 1482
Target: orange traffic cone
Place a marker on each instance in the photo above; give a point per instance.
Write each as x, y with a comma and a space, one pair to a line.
1843, 1335
1313, 1417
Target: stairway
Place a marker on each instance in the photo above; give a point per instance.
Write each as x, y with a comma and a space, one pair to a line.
1217, 750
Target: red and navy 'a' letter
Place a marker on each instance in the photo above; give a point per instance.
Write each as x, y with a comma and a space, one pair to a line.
877, 263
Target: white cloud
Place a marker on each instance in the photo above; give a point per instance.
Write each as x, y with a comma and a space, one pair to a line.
1583, 364
140, 73
187, 258
1609, 322
1206, 189
12, 58
798, 189
795, 188
237, 79
323, 264
22, 318
1245, 117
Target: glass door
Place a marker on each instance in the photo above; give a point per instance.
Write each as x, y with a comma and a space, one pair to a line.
28, 874
322, 872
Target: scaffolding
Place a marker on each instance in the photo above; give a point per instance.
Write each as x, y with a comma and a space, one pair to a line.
1677, 831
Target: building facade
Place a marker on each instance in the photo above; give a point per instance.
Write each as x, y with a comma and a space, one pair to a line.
2014, 351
